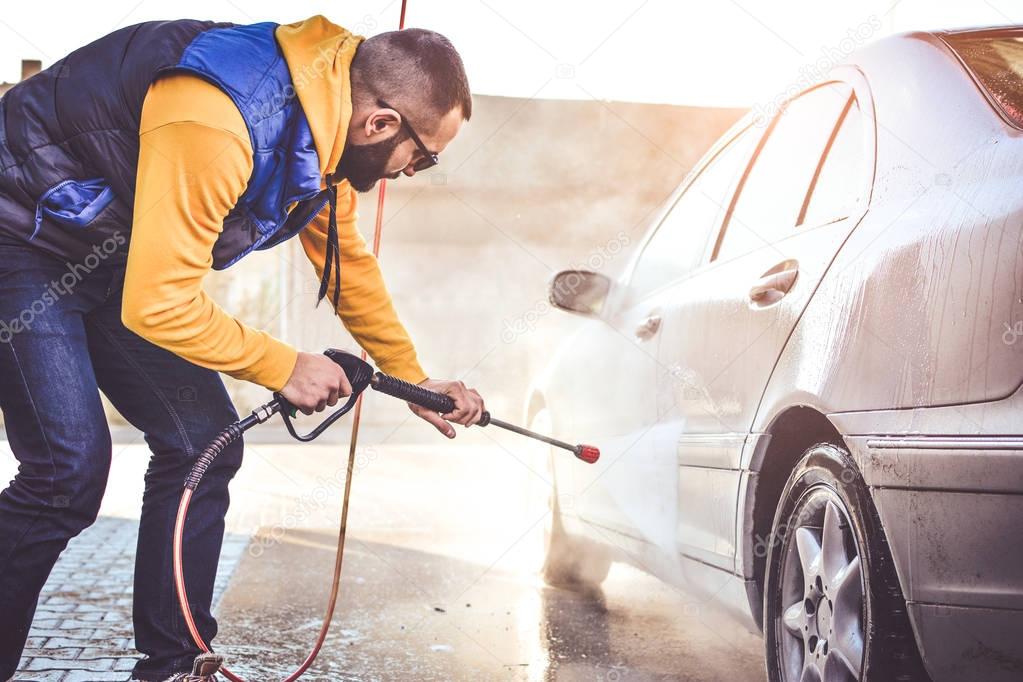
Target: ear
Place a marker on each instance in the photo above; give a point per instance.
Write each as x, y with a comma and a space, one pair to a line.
381, 124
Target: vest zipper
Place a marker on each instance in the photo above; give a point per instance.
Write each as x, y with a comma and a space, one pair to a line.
316, 212
39, 205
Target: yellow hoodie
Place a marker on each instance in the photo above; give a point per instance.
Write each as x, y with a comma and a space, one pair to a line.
195, 159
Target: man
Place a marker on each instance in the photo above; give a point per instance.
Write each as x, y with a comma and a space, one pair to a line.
128, 170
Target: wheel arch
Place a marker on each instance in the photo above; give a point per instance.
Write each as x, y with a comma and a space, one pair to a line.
534, 404
786, 439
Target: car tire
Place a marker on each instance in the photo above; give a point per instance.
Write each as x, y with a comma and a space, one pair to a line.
832, 600
567, 561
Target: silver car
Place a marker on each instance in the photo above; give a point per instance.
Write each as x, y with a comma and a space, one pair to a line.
807, 382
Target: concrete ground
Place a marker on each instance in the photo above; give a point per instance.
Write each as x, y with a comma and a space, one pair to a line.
439, 579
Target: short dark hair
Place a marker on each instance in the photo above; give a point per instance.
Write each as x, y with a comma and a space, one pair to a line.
412, 68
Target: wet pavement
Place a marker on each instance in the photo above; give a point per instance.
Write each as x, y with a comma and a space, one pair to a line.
405, 616
439, 579
439, 583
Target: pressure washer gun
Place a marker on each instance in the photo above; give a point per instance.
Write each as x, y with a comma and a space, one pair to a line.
361, 376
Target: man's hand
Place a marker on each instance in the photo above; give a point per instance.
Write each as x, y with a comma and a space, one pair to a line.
468, 405
316, 382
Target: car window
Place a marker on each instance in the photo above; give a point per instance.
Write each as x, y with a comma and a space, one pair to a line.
679, 244
773, 192
995, 58
837, 188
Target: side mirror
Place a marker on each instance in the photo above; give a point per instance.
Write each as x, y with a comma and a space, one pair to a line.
579, 291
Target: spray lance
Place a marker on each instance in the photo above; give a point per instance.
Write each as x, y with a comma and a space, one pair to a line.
361, 376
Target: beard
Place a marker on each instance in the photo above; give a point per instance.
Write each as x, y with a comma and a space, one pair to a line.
363, 165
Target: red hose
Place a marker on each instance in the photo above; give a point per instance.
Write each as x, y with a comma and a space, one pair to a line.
186, 498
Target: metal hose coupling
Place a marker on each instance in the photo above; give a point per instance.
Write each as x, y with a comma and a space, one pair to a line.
229, 435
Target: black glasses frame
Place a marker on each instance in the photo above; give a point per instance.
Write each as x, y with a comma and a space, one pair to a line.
429, 159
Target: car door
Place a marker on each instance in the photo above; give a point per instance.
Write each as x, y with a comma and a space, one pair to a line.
725, 326
632, 489
602, 393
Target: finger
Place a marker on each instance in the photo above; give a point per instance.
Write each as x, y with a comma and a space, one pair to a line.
477, 412
472, 412
462, 414
477, 401
332, 398
345, 387
321, 405
456, 411
436, 420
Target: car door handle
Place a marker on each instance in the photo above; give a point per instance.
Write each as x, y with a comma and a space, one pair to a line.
648, 327
774, 283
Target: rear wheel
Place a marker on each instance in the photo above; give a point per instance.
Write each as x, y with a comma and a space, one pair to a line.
567, 560
833, 608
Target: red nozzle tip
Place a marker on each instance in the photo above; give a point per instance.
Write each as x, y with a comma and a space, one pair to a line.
587, 453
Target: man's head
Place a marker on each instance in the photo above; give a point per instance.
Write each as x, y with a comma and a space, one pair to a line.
405, 84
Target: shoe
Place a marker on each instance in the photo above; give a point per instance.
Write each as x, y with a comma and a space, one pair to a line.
204, 669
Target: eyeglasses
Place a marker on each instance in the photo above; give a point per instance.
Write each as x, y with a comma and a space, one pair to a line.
429, 159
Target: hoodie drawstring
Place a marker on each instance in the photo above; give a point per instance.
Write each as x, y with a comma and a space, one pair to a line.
332, 256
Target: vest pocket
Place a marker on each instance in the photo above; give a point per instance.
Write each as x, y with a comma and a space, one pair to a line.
73, 202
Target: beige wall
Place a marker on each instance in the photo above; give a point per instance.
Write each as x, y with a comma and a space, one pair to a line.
530, 187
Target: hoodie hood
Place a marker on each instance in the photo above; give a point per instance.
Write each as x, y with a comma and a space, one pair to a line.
319, 56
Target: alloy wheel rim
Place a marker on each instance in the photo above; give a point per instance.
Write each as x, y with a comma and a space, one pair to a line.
822, 631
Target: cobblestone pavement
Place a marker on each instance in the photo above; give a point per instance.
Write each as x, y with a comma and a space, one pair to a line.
82, 628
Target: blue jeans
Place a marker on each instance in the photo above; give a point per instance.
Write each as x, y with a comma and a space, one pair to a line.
61, 343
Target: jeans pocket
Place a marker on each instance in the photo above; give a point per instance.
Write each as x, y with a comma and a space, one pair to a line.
75, 203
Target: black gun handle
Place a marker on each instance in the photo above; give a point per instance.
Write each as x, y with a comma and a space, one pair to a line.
358, 372
285, 406
424, 397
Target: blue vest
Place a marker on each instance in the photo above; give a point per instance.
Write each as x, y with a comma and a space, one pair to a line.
69, 139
